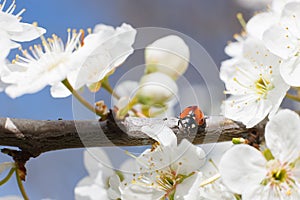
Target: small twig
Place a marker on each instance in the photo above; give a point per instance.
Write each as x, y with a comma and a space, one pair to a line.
20, 185
82, 100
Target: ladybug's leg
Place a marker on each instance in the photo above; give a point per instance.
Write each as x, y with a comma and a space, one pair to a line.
183, 127
180, 123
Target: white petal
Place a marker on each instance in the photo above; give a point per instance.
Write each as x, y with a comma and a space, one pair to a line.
169, 55
216, 190
214, 152
242, 167
119, 52
228, 69
277, 95
161, 133
259, 56
189, 188
29, 32
191, 157
290, 71
6, 165
246, 109
98, 164
5, 46
26, 87
59, 91
102, 27
291, 16
280, 41
283, 135
137, 192
114, 183
259, 192
296, 171
234, 49
86, 189
278, 5
128, 168
126, 88
159, 159
259, 23
156, 89
103, 51
9, 22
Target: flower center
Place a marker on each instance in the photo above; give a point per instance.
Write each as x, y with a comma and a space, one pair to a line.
280, 177
262, 86
167, 180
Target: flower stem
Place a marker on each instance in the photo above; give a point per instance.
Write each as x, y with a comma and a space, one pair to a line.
82, 100
105, 84
21, 187
292, 97
10, 173
129, 106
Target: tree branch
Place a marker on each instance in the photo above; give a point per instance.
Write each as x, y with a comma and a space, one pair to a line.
34, 137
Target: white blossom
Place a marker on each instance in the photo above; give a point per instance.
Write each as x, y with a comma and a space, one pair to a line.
283, 38
211, 185
262, 21
278, 5
166, 166
44, 65
102, 51
246, 171
102, 182
12, 29
169, 55
254, 83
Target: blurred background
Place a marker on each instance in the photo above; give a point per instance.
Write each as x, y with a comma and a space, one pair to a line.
211, 23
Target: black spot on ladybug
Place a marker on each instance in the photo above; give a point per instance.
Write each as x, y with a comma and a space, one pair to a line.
191, 119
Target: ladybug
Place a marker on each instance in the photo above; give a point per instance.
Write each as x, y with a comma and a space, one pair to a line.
191, 119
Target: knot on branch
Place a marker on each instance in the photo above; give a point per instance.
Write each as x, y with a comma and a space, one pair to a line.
20, 158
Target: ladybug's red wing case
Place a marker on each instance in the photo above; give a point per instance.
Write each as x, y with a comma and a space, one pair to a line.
191, 118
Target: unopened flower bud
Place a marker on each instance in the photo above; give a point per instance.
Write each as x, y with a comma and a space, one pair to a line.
168, 55
156, 89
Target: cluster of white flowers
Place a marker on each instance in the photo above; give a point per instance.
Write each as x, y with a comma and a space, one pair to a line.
171, 171
270, 176
166, 171
264, 63
53, 61
12, 31
263, 68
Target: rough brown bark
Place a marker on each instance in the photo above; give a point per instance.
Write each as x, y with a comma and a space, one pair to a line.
34, 137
